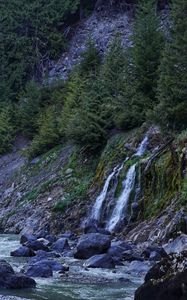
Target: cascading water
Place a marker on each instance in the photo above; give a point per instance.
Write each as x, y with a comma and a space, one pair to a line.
97, 208
122, 203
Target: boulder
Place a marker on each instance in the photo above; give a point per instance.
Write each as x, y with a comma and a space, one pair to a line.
61, 245
39, 269
117, 249
36, 245
18, 281
174, 288
27, 238
10, 280
131, 255
139, 267
177, 246
5, 268
100, 261
23, 252
91, 244
44, 254
55, 265
165, 280
154, 253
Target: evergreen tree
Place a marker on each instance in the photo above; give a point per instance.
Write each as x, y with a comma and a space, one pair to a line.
48, 134
171, 112
147, 41
6, 129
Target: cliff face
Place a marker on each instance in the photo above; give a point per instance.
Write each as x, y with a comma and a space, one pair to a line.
56, 192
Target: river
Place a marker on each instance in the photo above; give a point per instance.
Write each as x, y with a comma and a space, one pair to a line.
55, 289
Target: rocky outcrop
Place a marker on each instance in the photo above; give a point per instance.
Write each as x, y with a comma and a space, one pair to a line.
91, 244
165, 280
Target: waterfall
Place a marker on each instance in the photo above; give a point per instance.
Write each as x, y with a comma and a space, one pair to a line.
122, 202
142, 147
128, 184
97, 208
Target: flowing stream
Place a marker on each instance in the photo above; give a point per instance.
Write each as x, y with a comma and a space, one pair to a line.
55, 289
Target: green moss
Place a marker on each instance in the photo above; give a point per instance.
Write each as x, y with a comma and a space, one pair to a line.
161, 184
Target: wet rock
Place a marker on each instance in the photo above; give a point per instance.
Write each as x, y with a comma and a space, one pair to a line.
54, 265
139, 267
5, 268
154, 253
117, 249
27, 238
36, 245
61, 245
39, 269
165, 280
92, 244
51, 238
100, 261
67, 235
19, 281
10, 280
178, 245
45, 242
23, 252
44, 254
131, 255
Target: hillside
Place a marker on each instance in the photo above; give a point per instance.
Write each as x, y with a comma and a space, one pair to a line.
93, 148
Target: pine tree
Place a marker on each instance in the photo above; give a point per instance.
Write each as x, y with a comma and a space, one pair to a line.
146, 51
48, 133
6, 130
171, 112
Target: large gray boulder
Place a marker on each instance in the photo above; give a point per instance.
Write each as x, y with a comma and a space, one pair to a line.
61, 245
23, 252
39, 269
100, 261
91, 244
10, 280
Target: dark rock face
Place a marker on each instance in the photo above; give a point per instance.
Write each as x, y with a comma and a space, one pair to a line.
36, 245
165, 280
154, 253
117, 249
39, 269
23, 252
100, 261
10, 280
27, 238
61, 245
92, 244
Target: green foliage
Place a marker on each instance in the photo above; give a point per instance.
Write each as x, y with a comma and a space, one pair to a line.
6, 130
183, 195
146, 53
28, 109
48, 134
31, 34
171, 112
